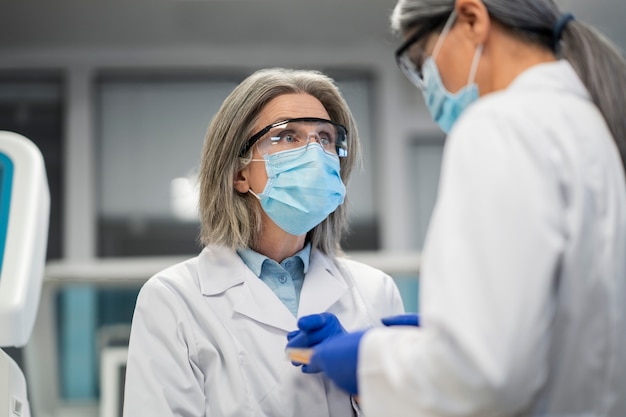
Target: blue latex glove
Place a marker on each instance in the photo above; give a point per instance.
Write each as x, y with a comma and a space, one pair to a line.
314, 330
338, 358
409, 319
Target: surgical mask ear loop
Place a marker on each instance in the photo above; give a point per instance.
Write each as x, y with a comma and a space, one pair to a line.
475, 61
443, 34
254, 194
439, 43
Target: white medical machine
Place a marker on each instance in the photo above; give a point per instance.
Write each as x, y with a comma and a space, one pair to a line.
24, 218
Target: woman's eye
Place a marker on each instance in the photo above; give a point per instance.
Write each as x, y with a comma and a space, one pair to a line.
289, 138
326, 139
283, 137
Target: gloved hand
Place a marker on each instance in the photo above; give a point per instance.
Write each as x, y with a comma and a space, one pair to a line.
314, 330
337, 358
409, 319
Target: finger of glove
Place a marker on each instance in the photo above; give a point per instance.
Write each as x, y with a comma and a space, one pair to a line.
311, 369
316, 364
309, 339
402, 320
314, 321
292, 334
300, 340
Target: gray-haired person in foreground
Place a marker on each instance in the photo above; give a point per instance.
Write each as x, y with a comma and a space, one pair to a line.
208, 334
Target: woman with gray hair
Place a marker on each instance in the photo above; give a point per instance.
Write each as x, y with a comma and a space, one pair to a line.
208, 335
523, 280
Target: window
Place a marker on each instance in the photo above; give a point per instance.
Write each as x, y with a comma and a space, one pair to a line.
31, 104
425, 164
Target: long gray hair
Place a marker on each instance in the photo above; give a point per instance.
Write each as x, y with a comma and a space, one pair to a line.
233, 219
599, 63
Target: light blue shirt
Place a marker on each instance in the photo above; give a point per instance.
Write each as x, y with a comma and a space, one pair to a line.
285, 278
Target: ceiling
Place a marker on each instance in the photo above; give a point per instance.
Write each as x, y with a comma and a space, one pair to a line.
131, 23
36, 24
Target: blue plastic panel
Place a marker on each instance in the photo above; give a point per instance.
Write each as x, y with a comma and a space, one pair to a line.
6, 181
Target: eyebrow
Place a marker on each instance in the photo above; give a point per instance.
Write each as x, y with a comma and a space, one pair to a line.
283, 119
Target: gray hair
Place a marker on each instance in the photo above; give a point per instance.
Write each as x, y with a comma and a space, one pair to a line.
233, 219
599, 63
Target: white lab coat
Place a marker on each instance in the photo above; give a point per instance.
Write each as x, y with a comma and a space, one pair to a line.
523, 286
208, 338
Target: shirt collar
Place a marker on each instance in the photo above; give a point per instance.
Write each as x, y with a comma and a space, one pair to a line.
255, 260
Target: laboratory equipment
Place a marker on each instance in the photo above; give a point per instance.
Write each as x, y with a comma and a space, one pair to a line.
24, 218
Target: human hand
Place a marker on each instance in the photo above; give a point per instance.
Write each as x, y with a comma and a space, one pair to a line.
338, 358
409, 319
314, 330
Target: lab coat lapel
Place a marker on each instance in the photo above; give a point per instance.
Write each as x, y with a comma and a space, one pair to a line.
323, 285
258, 302
224, 274
220, 269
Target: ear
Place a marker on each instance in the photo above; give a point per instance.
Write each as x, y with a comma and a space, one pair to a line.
240, 182
474, 17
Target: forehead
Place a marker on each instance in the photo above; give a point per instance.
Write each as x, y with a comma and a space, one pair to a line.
291, 106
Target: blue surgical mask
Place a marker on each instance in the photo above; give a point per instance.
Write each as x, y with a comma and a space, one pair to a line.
303, 187
445, 107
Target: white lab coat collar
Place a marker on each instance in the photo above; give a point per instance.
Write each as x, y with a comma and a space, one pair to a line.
552, 76
222, 270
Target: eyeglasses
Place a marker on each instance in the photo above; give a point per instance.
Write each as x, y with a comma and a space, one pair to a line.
412, 69
297, 133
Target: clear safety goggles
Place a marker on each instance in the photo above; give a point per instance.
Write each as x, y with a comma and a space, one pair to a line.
411, 70
411, 63
298, 133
